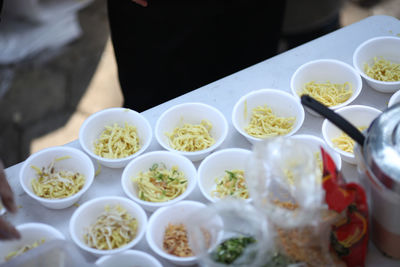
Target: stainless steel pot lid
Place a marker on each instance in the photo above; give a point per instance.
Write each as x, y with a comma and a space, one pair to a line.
382, 148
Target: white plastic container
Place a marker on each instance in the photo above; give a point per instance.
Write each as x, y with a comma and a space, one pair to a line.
192, 113
359, 116
281, 103
387, 47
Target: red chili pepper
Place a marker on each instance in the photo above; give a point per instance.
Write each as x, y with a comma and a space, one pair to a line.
349, 237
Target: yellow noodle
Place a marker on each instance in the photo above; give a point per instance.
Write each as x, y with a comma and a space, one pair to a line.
191, 137
160, 184
231, 184
344, 142
264, 123
116, 142
383, 70
329, 94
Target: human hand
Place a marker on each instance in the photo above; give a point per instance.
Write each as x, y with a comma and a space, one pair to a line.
143, 3
7, 231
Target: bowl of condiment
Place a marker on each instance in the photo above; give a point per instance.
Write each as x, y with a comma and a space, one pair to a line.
115, 136
193, 130
267, 113
378, 62
107, 225
222, 174
57, 177
394, 99
159, 178
330, 81
167, 232
32, 236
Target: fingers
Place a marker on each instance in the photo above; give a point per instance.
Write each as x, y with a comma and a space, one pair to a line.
143, 3
6, 193
7, 231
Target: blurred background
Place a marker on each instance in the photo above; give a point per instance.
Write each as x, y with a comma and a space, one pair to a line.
50, 86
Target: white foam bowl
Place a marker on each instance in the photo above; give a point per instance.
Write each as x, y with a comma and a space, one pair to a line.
144, 162
359, 116
94, 125
87, 214
30, 233
77, 162
215, 165
281, 103
192, 113
315, 143
387, 47
394, 99
326, 70
128, 258
179, 213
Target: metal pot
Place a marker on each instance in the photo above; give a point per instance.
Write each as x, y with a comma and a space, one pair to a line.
377, 153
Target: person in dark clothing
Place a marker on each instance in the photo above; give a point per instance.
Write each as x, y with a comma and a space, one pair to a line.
171, 47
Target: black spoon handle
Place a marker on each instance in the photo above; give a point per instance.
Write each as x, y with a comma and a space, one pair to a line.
333, 117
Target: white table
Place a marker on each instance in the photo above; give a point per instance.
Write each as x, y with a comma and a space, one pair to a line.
222, 94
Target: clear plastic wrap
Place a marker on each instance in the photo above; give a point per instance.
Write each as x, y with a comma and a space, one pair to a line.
302, 213
230, 232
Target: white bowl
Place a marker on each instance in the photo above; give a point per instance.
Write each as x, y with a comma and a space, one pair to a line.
178, 213
144, 162
30, 233
281, 103
395, 98
87, 214
387, 47
215, 165
128, 258
95, 124
324, 70
359, 116
315, 143
77, 162
192, 113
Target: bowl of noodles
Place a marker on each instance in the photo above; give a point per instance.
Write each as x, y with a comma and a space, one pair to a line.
159, 178
222, 175
358, 115
57, 177
33, 235
167, 233
332, 82
267, 113
107, 225
115, 136
378, 62
193, 130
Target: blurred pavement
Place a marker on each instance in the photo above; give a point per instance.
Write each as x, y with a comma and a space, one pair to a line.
51, 94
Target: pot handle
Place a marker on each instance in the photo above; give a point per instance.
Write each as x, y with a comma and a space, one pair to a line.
333, 117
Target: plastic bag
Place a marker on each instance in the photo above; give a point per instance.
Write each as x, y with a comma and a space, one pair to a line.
241, 235
318, 219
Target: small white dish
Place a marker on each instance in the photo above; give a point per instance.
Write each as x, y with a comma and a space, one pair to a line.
128, 258
281, 103
94, 125
359, 116
215, 165
395, 98
192, 113
178, 213
387, 47
77, 161
30, 233
144, 162
315, 143
87, 214
326, 70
